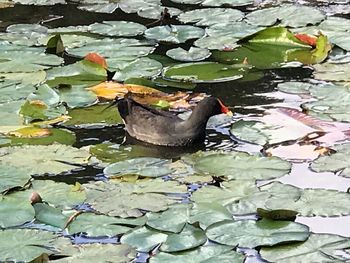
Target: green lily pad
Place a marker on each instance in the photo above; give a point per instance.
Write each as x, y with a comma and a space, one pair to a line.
53, 159
332, 104
337, 162
205, 72
142, 67
9, 116
215, 3
204, 254
11, 177
159, 82
155, 11
17, 61
40, 2
80, 73
29, 244
171, 220
174, 33
77, 96
143, 166
295, 87
49, 215
251, 233
318, 248
15, 210
311, 202
95, 116
223, 42
100, 225
60, 195
26, 78
193, 54
210, 16
13, 90
144, 239
122, 48
332, 72
286, 15
238, 30
117, 28
146, 195
240, 165
101, 253
238, 197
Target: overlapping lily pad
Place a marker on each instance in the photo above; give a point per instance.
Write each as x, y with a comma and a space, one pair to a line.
215, 3
12, 177
287, 15
251, 233
174, 33
318, 248
211, 16
133, 198
193, 54
53, 159
117, 28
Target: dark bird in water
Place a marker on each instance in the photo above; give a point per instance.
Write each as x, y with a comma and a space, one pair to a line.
166, 128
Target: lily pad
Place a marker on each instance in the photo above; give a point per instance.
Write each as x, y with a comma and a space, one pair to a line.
223, 42
117, 28
142, 67
95, 116
240, 165
204, 254
205, 72
77, 96
15, 210
215, 3
174, 33
60, 195
318, 248
144, 239
332, 72
251, 233
121, 48
337, 162
49, 215
286, 15
143, 166
295, 87
14, 90
133, 198
156, 11
193, 54
210, 16
312, 202
30, 244
12, 177
100, 225
332, 103
101, 252
53, 159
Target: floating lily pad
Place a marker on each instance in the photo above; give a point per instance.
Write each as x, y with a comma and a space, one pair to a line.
312, 202
122, 48
29, 244
295, 87
100, 225
251, 233
286, 15
144, 239
26, 78
146, 195
207, 72
210, 16
332, 72
240, 165
76, 96
171, 220
101, 252
332, 104
337, 162
15, 210
26, 61
318, 248
93, 117
12, 177
224, 42
174, 33
193, 54
9, 116
204, 254
143, 166
82, 72
215, 3
117, 28
49, 215
13, 90
60, 195
142, 67
155, 11
53, 159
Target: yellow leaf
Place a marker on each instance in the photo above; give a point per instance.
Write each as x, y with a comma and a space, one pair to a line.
53, 121
30, 132
111, 90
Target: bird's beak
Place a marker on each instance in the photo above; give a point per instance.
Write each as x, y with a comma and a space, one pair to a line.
229, 113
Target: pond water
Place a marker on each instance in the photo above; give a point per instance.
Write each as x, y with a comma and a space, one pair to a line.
273, 112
